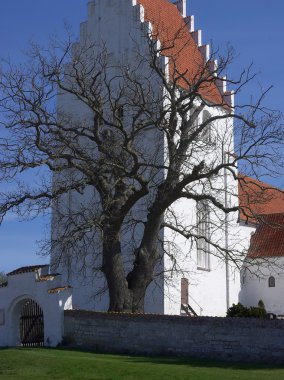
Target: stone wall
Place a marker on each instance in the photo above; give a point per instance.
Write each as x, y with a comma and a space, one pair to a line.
217, 338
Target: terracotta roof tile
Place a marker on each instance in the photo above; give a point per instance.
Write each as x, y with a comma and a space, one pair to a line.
172, 31
47, 277
256, 198
26, 269
268, 239
59, 289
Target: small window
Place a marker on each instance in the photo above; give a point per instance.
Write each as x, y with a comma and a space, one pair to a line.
203, 231
206, 134
271, 282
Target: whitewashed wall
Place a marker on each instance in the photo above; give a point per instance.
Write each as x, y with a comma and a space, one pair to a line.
207, 288
255, 285
23, 287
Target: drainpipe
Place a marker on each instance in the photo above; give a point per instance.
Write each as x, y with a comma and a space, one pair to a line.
226, 236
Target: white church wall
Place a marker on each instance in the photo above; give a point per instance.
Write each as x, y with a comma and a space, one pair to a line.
255, 284
207, 286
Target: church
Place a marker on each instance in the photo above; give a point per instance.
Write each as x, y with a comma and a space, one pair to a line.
214, 238
122, 26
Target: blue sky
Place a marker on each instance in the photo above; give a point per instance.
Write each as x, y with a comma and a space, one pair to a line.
253, 27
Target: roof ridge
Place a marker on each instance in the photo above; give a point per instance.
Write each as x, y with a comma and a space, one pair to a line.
27, 269
272, 187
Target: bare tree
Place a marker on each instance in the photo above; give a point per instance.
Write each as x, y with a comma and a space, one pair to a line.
141, 144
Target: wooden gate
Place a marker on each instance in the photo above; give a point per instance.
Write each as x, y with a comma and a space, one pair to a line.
32, 325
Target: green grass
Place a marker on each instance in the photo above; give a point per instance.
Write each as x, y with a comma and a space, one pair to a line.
45, 364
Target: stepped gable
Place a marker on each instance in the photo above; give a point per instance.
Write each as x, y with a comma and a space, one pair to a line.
28, 269
268, 239
175, 36
258, 198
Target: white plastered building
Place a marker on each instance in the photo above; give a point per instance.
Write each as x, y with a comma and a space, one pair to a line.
207, 282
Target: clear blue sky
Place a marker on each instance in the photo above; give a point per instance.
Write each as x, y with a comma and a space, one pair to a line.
253, 27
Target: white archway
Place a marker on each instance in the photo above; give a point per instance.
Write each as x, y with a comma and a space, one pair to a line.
38, 300
13, 318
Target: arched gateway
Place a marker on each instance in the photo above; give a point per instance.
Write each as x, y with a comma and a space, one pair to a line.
31, 324
32, 304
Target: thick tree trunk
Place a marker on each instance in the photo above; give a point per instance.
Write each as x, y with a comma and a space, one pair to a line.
146, 259
141, 276
120, 297
128, 293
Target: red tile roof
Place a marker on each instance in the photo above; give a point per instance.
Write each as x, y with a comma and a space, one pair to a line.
26, 269
268, 239
172, 31
256, 198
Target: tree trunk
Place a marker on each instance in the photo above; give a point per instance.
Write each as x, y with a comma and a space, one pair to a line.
146, 259
120, 298
128, 293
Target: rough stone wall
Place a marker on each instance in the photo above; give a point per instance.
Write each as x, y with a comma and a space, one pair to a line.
236, 339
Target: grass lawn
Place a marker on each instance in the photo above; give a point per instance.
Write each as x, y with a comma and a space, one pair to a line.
45, 364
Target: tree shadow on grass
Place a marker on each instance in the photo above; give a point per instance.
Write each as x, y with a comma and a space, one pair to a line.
168, 360
207, 363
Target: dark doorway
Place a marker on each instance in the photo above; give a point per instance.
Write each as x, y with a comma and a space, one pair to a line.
31, 325
184, 291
